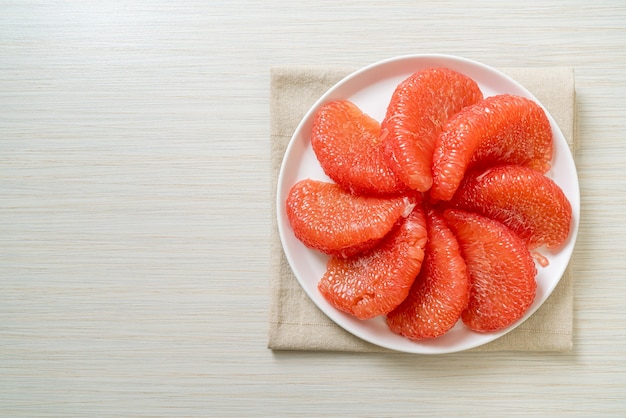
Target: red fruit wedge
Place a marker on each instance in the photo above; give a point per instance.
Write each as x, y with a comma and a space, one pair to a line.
376, 282
502, 271
441, 291
529, 203
347, 145
501, 129
419, 107
328, 219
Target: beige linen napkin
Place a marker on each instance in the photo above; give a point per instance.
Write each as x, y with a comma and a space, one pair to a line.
295, 322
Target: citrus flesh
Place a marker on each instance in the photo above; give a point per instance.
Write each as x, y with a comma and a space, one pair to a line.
328, 219
502, 129
440, 292
501, 270
526, 201
377, 281
347, 145
464, 253
419, 107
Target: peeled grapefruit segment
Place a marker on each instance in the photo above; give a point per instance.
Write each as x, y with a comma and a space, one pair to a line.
528, 202
419, 107
501, 269
376, 282
329, 219
440, 293
347, 145
502, 129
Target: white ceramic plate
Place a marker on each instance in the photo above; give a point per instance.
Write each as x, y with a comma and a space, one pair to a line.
371, 88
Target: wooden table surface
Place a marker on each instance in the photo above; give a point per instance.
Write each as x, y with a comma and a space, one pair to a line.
135, 209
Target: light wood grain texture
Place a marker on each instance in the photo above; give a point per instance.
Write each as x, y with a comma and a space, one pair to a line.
135, 209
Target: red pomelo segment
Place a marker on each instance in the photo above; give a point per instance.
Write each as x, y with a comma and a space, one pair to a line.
376, 282
348, 147
419, 107
328, 219
502, 271
529, 203
441, 291
501, 129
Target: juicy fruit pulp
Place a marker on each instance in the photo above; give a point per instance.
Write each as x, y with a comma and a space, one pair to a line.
419, 107
328, 219
440, 293
376, 282
469, 256
501, 269
347, 145
501, 129
526, 201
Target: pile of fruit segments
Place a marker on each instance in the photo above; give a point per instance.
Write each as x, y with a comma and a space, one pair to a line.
438, 212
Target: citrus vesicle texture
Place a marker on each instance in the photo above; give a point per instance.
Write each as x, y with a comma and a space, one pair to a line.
501, 269
440, 292
418, 109
432, 214
377, 281
347, 145
499, 129
328, 219
523, 199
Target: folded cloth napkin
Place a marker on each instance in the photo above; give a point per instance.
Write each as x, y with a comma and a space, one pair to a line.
295, 322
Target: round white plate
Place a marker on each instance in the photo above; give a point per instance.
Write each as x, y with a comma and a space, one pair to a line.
371, 88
